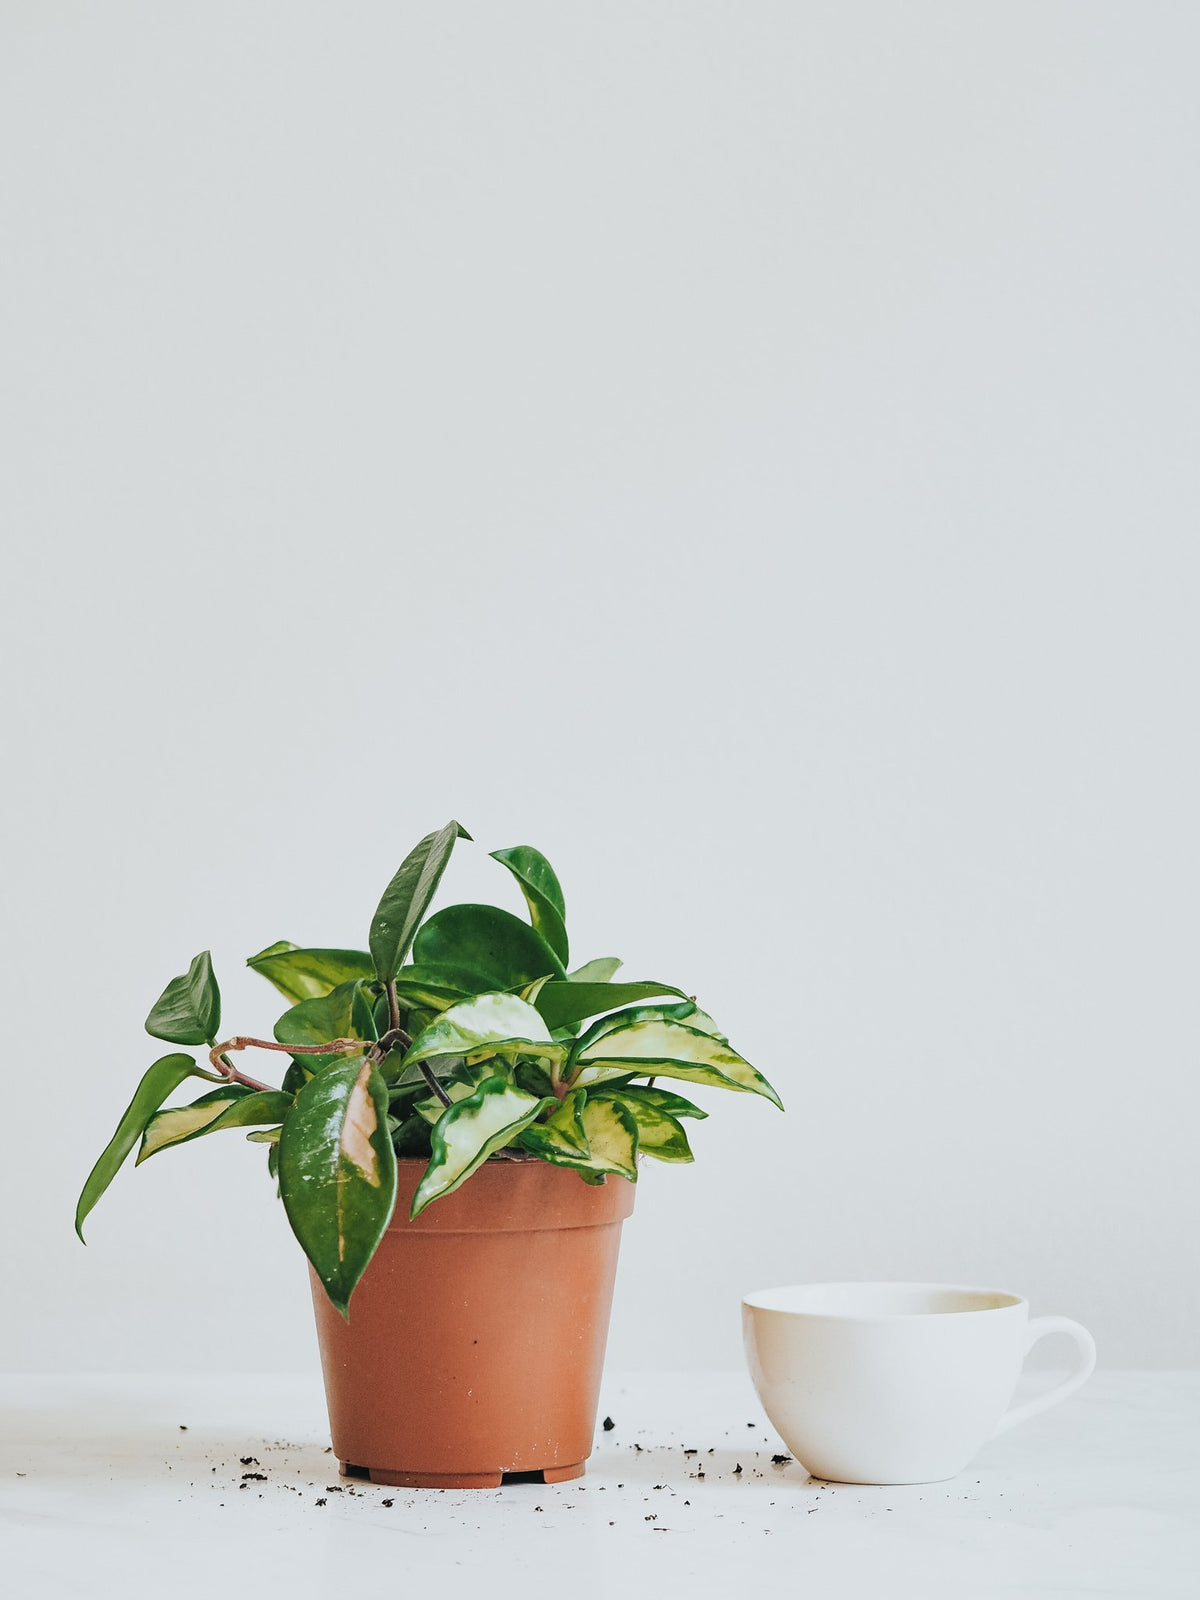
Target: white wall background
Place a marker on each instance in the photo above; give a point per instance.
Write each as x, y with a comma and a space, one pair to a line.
748, 450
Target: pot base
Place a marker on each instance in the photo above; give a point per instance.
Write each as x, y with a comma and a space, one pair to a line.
458, 1480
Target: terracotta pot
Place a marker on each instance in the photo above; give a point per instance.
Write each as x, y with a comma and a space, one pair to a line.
476, 1337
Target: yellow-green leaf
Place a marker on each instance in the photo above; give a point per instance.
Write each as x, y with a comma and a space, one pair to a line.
234, 1106
662, 1048
309, 974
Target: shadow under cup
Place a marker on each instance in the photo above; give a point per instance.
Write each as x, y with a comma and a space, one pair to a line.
894, 1382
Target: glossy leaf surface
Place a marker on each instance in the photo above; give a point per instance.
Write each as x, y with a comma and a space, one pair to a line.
309, 974
337, 1172
543, 894
436, 987
234, 1106
506, 952
189, 1009
406, 899
336, 1015
469, 1132
664, 1048
563, 1002
487, 1025
158, 1082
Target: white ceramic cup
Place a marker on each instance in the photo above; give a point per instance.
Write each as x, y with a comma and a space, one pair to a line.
895, 1382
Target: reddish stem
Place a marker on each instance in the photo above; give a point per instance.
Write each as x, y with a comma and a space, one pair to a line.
221, 1063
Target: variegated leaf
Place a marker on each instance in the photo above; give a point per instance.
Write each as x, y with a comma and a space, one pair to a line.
609, 1131
158, 1083
659, 1133
602, 970
662, 1048
234, 1106
309, 974
469, 1132
487, 1025
337, 1172
561, 1136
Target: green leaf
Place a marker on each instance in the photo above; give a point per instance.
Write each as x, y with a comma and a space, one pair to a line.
340, 1014
563, 1002
533, 1078
602, 970
159, 1081
337, 1173
309, 974
189, 1009
506, 952
667, 1049
468, 1133
437, 987
234, 1106
542, 891
407, 897
362, 1015
485, 1026
659, 1133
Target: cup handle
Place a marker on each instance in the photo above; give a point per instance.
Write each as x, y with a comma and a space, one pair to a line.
1038, 1329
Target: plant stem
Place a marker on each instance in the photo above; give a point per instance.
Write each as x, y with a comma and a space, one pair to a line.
387, 1042
230, 1074
222, 1064
393, 1003
396, 1035
430, 1077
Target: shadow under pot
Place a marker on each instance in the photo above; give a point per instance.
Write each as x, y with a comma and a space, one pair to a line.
476, 1338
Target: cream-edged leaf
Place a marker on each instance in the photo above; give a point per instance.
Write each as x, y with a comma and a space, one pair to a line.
469, 1132
662, 1048
486, 1025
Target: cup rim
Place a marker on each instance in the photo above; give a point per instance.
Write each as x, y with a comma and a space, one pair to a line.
753, 1300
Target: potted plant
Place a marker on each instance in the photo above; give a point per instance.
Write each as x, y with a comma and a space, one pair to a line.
455, 1048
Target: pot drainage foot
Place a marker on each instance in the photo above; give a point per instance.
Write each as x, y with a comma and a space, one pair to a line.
459, 1480
423, 1480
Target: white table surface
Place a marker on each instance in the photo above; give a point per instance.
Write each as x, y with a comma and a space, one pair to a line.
128, 1485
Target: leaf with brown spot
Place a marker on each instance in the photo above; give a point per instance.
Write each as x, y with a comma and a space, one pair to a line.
337, 1172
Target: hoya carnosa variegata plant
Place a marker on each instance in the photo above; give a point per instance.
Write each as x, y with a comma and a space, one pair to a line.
452, 1039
